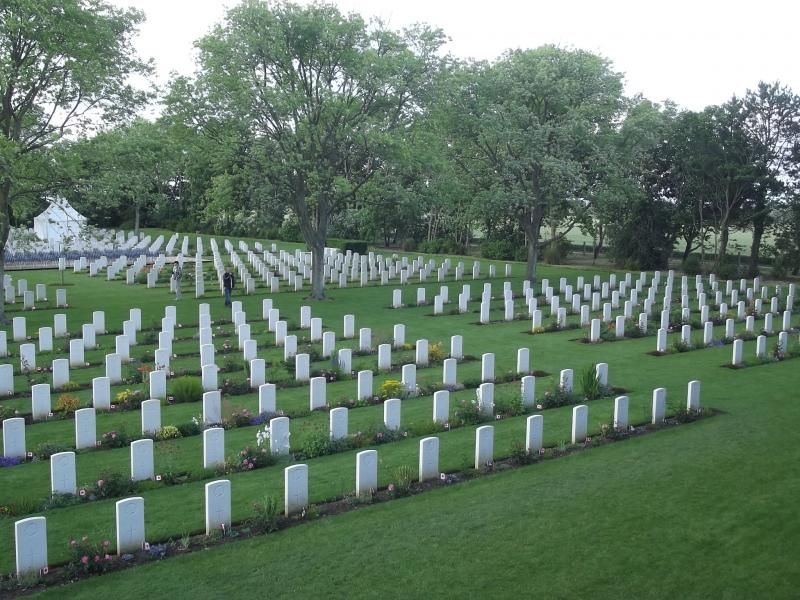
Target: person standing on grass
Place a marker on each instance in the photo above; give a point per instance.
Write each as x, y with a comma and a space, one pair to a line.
228, 283
177, 273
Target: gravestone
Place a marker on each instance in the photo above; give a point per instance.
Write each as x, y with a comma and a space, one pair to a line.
384, 357
218, 506
457, 347
366, 472
279, 436
130, 524
693, 396
337, 423
27, 358
533, 433
30, 537
14, 438
40, 401
345, 360
19, 329
484, 446
101, 393
421, 353
158, 384
349, 327
485, 395
565, 380
60, 373
441, 406
621, 413
449, 371
528, 390
659, 405
428, 458
409, 379
580, 416
594, 334
487, 367
266, 398
85, 428
209, 378
151, 416
45, 339
212, 407
317, 393
391, 414
364, 385
62, 474
290, 347
365, 339
295, 485
523, 361
213, 447
601, 373
142, 460
738, 346
399, 335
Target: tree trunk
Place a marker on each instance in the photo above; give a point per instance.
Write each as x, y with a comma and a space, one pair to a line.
759, 225
599, 245
317, 271
723, 245
532, 224
5, 230
136, 223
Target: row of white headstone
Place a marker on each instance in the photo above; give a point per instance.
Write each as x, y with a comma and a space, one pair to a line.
31, 533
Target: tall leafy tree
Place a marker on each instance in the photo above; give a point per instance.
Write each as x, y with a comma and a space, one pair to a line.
62, 62
130, 168
322, 94
772, 122
532, 127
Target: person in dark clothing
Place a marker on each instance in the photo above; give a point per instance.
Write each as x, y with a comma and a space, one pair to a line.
228, 283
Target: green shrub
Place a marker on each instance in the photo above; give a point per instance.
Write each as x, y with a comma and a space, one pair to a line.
168, 432
266, 514
555, 253
498, 249
46, 449
70, 386
692, 266
391, 388
590, 383
186, 389
68, 404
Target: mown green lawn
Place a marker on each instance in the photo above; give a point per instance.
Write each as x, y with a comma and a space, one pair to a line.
701, 510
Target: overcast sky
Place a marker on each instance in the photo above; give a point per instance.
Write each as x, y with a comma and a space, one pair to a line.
696, 52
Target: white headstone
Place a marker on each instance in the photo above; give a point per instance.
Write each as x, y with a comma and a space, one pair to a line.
441, 406
580, 415
366, 472
659, 405
295, 486
218, 506
533, 433
62, 473
391, 414
317, 393
428, 458
31, 545
484, 446
85, 428
213, 447
40, 401
142, 460
212, 407
621, 412
130, 524
279, 436
337, 423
